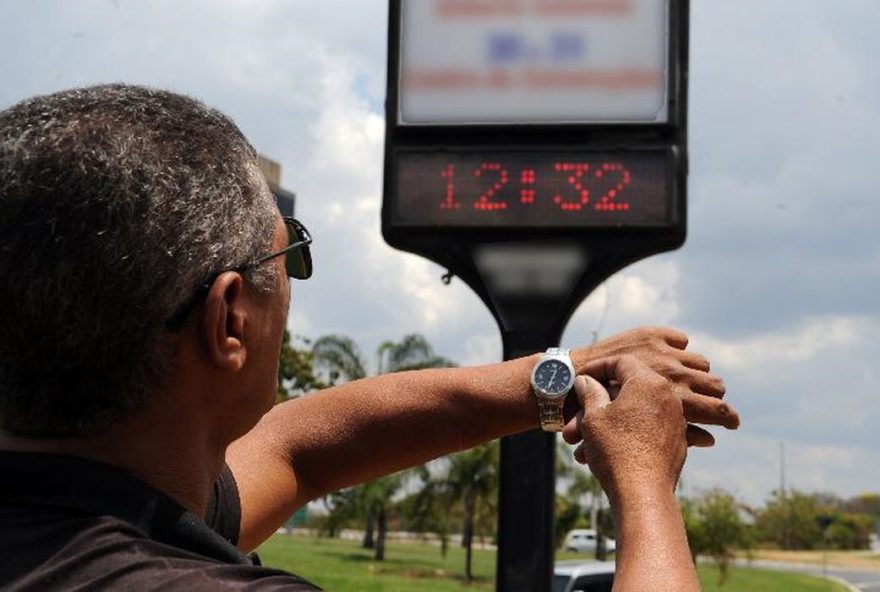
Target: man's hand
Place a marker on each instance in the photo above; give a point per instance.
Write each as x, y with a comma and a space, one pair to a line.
663, 350
639, 439
636, 446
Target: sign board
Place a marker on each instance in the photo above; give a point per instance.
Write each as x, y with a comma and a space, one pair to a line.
533, 61
508, 117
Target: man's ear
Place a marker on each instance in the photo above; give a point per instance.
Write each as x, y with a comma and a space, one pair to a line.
223, 321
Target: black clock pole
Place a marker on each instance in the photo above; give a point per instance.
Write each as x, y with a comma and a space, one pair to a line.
526, 493
474, 194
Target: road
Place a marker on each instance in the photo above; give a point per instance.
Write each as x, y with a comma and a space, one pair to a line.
863, 580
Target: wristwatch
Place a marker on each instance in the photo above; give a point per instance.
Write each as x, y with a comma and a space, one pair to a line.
552, 378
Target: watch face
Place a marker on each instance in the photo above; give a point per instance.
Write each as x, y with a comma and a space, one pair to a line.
553, 377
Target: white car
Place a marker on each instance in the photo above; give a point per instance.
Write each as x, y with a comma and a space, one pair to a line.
583, 576
583, 540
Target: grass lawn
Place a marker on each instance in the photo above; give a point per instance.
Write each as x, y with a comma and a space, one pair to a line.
342, 566
759, 580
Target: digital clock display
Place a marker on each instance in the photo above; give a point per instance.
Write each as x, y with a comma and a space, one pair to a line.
533, 189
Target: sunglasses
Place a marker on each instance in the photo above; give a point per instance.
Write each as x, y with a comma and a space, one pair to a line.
299, 258
298, 265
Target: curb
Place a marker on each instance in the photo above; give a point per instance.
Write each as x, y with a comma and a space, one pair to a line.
843, 583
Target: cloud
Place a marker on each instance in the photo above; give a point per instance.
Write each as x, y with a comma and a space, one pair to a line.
783, 176
805, 344
749, 467
815, 383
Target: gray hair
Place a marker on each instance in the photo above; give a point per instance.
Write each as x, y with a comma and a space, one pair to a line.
116, 203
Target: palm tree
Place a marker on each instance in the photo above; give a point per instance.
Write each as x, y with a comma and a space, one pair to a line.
296, 373
413, 352
586, 483
473, 478
583, 483
373, 501
340, 360
467, 480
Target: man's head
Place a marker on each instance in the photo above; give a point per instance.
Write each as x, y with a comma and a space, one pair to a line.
116, 204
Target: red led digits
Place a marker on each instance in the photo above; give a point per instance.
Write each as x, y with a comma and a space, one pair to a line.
449, 202
484, 202
623, 177
521, 188
588, 181
527, 178
577, 170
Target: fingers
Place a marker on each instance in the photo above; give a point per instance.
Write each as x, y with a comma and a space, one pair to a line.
701, 393
694, 361
579, 454
695, 372
703, 383
571, 432
616, 369
697, 436
591, 394
707, 410
673, 337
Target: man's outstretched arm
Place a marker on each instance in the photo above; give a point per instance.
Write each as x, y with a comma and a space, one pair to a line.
308, 447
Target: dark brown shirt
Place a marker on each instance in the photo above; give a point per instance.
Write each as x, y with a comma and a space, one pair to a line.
71, 524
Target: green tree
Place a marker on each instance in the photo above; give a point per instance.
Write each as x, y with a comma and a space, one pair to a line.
341, 509
338, 359
692, 526
296, 370
413, 352
714, 528
791, 521
583, 486
849, 531
867, 503
473, 479
373, 500
467, 481
568, 510
428, 511
566, 517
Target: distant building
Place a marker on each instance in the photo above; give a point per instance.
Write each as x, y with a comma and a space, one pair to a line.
286, 200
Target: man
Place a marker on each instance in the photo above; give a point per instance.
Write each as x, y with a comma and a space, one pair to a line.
144, 298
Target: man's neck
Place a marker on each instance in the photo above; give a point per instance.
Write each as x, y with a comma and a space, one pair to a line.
162, 452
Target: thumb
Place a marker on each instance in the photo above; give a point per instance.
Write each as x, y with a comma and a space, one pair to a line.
592, 396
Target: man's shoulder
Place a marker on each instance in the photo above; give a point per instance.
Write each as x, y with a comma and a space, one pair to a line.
64, 550
68, 523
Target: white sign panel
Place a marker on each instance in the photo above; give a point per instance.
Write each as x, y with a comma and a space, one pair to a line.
533, 61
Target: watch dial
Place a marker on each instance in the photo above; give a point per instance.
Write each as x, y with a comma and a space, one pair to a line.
553, 377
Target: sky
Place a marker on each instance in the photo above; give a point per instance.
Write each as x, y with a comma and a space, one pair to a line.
777, 284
